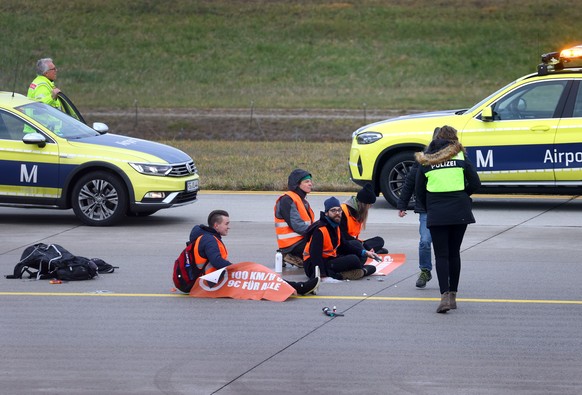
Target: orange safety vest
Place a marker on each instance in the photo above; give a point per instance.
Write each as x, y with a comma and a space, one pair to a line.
286, 236
201, 262
354, 226
329, 251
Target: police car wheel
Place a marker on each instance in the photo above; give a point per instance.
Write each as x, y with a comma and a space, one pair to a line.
393, 175
99, 199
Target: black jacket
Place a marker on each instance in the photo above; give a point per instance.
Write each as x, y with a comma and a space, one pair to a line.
316, 247
449, 207
408, 190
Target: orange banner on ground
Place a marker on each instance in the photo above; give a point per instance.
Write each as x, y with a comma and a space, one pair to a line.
389, 263
244, 280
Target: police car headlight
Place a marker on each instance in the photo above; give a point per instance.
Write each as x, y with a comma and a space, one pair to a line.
368, 137
151, 169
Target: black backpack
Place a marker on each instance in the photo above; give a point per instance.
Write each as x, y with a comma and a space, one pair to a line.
185, 270
52, 261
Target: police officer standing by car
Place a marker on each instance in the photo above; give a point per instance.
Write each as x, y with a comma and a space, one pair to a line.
446, 179
42, 88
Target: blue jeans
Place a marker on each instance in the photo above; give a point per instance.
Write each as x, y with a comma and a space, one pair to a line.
424, 246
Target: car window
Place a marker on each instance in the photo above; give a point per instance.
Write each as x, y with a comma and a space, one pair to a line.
57, 121
532, 101
13, 128
578, 104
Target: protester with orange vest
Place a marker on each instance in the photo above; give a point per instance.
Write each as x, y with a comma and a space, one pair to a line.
212, 252
353, 221
322, 248
293, 216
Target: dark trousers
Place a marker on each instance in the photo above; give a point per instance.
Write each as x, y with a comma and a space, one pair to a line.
446, 242
334, 266
342, 264
374, 243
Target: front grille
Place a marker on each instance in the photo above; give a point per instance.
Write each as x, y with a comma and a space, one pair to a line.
185, 197
183, 169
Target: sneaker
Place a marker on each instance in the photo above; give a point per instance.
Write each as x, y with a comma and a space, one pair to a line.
423, 278
308, 287
293, 260
369, 269
382, 251
355, 274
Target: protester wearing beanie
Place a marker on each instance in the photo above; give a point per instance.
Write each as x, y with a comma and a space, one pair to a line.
327, 250
293, 216
355, 214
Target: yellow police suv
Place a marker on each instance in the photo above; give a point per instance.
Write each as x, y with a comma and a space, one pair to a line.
50, 159
526, 137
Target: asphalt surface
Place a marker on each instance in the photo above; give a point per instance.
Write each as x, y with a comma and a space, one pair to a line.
516, 330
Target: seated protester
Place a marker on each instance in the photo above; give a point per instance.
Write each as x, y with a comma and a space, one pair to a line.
293, 216
353, 221
321, 250
212, 251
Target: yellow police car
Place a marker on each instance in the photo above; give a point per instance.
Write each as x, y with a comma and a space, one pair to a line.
526, 137
52, 160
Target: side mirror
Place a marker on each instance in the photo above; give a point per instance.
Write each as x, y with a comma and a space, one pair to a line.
487, 114
100, 127
34, 138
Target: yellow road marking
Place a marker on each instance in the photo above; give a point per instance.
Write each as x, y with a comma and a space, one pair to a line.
380, 298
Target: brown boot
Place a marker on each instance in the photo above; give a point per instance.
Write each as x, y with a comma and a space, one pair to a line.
445, 303
355, 274
453, 300
293, 260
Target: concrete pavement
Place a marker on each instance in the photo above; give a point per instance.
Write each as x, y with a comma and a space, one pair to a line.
516, 331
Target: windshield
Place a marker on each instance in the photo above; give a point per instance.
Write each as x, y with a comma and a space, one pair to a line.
476, 106
57, 121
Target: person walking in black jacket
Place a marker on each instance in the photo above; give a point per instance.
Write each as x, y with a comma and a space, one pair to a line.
425, 243
446, 178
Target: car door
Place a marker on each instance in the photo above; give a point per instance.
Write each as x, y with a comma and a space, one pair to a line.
567, 152
29, 173
511, 148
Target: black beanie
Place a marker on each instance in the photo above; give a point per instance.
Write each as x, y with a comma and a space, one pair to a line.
367, 195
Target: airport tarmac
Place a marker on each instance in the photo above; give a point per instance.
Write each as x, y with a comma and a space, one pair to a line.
516, 330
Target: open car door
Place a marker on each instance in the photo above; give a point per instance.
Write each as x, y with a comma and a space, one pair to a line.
70, 108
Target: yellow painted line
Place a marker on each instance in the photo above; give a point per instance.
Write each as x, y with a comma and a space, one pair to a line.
380, 298
94, 293
409, 299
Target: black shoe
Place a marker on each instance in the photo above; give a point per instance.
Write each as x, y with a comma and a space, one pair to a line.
382, 251
423, 278
307, 287
369, 269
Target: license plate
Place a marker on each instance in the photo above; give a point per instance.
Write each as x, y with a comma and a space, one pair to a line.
191, 185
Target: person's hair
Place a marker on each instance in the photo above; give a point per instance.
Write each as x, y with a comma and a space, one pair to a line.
362, 214
447, 133
215, 217
42, 65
